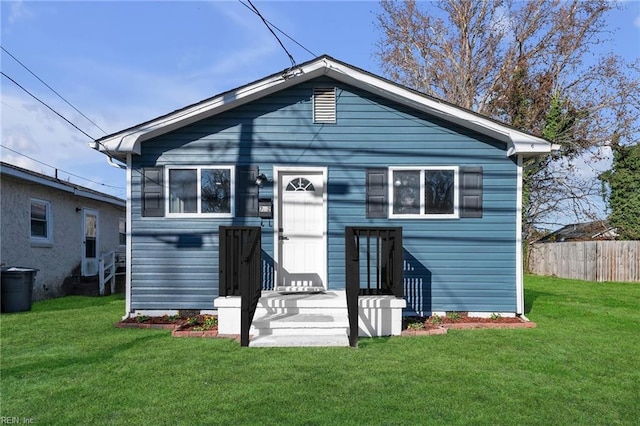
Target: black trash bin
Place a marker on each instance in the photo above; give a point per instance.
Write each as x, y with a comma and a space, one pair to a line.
17, 288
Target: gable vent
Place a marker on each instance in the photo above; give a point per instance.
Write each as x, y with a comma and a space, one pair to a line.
324, 105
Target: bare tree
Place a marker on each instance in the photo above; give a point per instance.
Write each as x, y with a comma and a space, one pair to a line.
521, 63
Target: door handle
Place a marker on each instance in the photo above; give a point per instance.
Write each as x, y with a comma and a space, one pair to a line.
282, 238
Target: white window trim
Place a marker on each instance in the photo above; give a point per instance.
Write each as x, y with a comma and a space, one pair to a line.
167, 198
456, 210
48, 240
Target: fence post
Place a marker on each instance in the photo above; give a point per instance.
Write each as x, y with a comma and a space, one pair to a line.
101, 275
113, 272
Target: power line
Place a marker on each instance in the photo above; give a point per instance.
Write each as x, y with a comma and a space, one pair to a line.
63, 171
255, 9
108, 153
43, 103
279, 30
52, 89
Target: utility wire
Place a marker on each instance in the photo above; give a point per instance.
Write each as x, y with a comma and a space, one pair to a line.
108, 153
43, 103
63, 171
255, 9
52, 89
279, 30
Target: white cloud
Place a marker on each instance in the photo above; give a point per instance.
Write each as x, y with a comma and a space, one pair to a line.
50, 143
116, 96
19, 11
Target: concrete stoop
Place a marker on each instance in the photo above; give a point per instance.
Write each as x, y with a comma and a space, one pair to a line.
300, 320
311, 319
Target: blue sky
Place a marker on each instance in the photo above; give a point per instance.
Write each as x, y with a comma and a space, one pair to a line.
122, 63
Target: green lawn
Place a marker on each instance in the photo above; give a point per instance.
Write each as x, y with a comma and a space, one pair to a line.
65, 363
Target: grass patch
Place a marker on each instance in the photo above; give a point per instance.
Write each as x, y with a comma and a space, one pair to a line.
65, 363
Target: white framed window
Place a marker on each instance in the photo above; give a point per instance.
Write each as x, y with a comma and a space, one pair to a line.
196, 191
423, 192
40, 225
122, 231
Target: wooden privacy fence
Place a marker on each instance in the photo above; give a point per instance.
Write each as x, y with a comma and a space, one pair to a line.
587, 260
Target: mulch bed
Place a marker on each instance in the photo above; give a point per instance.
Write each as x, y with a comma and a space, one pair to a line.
207, 325
424, 326
192, 326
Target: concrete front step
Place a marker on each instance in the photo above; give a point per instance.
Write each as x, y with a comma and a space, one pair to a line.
330, 299
318, 319
296, 340
377, 316
273, 303
311, 324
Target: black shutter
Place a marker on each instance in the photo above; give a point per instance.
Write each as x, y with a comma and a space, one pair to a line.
377, 191
246, 191
152, 192
470, 191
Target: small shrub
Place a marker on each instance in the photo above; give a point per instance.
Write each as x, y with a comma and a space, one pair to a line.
210, 321
142, 318
201, 322
415, 325
495, 316
435, 319
453, 315
172, 318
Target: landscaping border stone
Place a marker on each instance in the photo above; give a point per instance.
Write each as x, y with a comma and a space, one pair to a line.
442, 328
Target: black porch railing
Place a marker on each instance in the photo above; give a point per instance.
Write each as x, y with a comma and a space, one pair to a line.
374, 266
241, 271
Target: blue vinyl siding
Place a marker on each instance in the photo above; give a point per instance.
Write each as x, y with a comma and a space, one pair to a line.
451, 264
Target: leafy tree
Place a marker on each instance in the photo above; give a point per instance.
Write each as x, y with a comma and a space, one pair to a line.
522, 63
623, 181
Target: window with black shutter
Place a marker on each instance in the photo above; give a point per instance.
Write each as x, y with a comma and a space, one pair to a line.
376, 187
152, 192
471, 192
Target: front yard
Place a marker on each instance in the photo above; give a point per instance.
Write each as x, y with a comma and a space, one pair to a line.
65, 363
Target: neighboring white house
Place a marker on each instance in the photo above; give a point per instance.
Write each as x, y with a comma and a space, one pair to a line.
57, 227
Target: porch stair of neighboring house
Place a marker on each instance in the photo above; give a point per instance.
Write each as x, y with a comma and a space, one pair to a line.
298, 319
83, 286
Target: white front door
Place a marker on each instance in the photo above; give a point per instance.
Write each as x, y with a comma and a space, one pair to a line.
301, 231
89, 243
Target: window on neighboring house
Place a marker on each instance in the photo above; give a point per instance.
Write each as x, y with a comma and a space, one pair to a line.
122, 231
423, 192
40, 225
201, 190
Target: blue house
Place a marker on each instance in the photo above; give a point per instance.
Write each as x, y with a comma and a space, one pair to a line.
305, 155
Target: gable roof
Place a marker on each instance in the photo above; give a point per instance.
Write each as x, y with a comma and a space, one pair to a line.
51, 182
589, 231
126, 141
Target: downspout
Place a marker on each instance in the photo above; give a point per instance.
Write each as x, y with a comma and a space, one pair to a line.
128, 262
117, 166
519, 256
